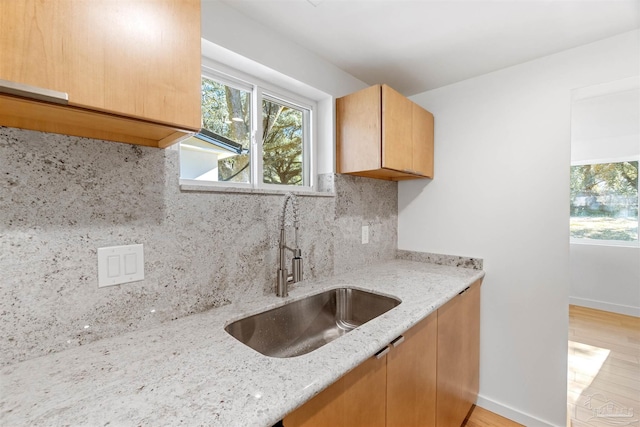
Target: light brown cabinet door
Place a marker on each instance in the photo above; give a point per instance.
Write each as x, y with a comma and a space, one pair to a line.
397, 115
430, 379
358, 131
358, 399
422, 139
381, 134
458, 357
133, 58
411, 377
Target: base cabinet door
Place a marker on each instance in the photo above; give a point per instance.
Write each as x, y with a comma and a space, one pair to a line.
397, 390
358, 399
458, 357
411, 377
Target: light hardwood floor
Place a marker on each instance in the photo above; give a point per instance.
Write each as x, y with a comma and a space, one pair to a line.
480, 417
604, 369
603, 374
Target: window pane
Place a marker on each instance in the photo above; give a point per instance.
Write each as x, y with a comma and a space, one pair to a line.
604, 201
282, 144
226, 111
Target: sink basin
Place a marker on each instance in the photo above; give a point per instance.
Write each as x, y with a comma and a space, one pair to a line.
302, 326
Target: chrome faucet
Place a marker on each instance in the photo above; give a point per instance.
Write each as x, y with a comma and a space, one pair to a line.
284, 278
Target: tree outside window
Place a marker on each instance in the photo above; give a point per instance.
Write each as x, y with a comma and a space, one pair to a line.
604, 201
282, 144
227, 113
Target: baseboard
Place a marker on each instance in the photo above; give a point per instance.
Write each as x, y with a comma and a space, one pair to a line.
513, 414
606, 306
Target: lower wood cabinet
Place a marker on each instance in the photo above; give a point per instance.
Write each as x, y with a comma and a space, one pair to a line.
458, 356
429, 376
411, 377
397, 389
357, 399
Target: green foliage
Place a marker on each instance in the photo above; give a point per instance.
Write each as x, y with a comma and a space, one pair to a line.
604, 188
599, 228
604, 201
282, 144
227, 112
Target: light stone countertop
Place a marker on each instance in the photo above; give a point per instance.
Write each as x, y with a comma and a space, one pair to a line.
191, 372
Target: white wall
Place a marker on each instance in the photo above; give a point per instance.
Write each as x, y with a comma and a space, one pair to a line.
605, 125
605, 121
501, 192
230, 29
246, 45
606, 278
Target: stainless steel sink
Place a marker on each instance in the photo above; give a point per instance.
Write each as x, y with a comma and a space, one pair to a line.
302, 326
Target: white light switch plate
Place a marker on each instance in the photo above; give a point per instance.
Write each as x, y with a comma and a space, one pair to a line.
120, 264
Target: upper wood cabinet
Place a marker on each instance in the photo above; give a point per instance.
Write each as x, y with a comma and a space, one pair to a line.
382, 134
131, 68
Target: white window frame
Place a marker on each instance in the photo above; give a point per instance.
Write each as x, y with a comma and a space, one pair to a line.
597, 242
260, 89
307, 142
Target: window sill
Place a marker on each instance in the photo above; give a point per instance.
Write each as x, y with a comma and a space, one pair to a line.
212, 188
613, 243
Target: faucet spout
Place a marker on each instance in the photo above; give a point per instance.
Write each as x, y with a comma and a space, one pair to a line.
284, 278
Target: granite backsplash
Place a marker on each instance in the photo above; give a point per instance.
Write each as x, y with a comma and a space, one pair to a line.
440, 259
62, 198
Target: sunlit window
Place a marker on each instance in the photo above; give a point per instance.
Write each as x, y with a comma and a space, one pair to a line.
604, 201
228, 150
282, 143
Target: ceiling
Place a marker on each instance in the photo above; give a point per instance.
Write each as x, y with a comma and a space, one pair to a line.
415, 46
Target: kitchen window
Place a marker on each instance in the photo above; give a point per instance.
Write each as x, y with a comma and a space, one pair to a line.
604, 202
254, 137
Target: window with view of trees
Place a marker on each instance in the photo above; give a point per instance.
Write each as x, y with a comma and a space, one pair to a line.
281, 156
282, 134
604, 201
226, 111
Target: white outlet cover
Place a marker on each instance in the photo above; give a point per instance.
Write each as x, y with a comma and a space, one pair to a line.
365, 234
120, 264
